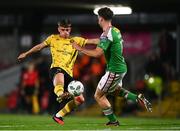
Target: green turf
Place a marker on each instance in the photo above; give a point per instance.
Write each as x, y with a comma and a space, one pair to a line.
26, 122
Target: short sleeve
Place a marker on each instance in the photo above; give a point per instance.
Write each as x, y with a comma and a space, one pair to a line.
79, 40
47, 42
104, 43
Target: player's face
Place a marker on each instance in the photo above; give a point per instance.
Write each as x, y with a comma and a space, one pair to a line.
100, 19
31, 67
64, 31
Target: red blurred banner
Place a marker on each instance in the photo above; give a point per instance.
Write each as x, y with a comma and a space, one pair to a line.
136, 43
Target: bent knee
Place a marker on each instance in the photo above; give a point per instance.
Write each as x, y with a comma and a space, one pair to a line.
96, 97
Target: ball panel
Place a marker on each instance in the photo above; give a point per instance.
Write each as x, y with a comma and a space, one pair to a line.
75, 88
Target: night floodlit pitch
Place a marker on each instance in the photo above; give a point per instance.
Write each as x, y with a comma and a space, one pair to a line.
27, 122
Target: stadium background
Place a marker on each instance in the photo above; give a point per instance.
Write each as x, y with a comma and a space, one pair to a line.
151, 47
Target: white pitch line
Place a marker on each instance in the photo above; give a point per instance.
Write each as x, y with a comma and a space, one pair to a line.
11, 126
153, 128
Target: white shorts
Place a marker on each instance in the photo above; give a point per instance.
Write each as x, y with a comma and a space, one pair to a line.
110, 81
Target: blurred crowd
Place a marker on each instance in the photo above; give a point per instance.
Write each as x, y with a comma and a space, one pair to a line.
161, 81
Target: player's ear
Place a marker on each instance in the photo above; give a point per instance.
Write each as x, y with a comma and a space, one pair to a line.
101, 19
58, 29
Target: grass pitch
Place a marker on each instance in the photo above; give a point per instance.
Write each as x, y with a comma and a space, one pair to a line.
28, 122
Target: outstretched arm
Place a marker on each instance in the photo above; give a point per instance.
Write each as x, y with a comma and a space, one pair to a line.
94, 53
93, 41
31, 51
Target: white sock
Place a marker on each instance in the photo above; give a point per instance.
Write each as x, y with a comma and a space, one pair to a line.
57, 115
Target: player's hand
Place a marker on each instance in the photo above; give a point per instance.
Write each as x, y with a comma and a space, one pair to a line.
76, 46
22, 56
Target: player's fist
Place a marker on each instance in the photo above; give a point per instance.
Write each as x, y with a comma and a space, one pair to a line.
22, 56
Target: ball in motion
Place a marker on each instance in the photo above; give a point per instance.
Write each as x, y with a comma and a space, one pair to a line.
75, 88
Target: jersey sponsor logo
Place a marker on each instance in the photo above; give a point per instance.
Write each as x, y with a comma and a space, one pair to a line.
64, 52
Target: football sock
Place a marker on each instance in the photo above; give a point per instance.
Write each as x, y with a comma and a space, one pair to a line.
67, 108
59, 89
128, 95
35, 104
109, 114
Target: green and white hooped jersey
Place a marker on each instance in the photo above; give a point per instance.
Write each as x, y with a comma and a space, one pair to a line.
112, 44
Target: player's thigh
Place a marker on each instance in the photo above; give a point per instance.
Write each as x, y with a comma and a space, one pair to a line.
110, 81
119, 85
67, 80
58, 79
57, 75
29, 90
107, 82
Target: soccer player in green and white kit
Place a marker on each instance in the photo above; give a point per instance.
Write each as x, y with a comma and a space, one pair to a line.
111, 44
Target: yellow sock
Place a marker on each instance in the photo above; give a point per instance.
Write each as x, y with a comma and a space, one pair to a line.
35, 104
67, 108
59, 89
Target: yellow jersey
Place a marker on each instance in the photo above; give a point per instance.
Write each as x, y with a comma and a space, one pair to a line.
62, 53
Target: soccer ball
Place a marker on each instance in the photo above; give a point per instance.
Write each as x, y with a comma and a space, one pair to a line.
75, 88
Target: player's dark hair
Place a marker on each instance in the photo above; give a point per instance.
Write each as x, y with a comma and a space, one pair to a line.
106, 13
64, 23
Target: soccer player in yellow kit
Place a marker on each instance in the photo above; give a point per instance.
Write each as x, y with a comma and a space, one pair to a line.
63, 59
